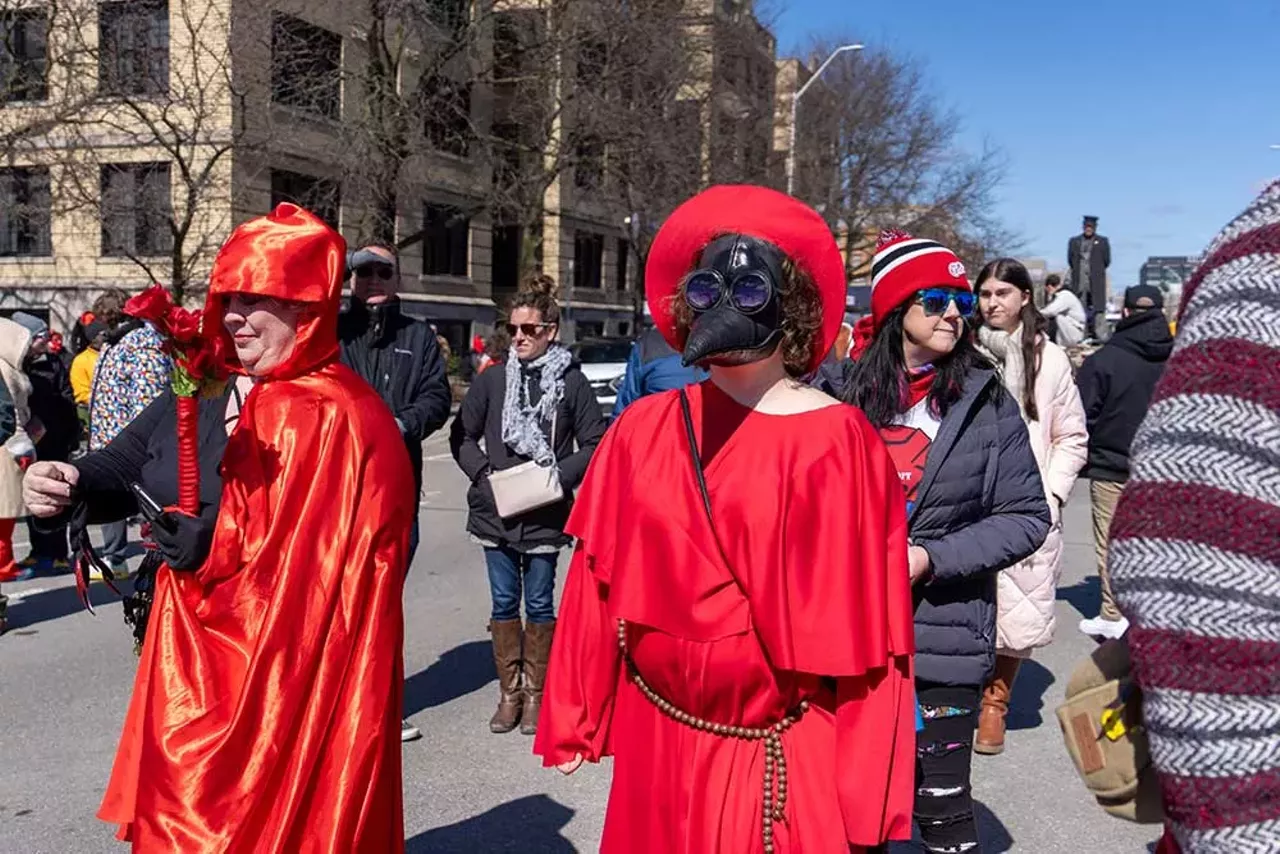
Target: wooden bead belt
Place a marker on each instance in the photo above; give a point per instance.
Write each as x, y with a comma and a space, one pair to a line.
775, 763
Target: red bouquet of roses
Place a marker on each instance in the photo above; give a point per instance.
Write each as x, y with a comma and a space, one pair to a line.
199, 370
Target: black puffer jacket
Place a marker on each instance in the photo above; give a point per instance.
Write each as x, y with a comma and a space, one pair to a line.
980, 507
398, 356
578, 423
1116, 385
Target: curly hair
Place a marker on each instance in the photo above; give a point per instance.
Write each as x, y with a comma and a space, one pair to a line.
801, 316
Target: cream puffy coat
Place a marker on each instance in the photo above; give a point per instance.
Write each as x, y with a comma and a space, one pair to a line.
15, 340
1026, 591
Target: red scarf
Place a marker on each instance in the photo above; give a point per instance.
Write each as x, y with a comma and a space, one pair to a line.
919, 381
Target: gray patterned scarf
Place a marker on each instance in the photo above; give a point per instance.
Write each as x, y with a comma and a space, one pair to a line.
522, 422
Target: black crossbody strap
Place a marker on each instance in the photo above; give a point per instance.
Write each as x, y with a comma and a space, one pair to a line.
693, 453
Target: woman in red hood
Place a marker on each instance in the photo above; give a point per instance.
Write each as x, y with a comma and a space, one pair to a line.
266, 710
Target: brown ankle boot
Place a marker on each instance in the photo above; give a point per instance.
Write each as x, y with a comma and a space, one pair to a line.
995, 705
506, 657
537, 650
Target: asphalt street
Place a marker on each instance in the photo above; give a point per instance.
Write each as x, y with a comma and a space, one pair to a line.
65, 678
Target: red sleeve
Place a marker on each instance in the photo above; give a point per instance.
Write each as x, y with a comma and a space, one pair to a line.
875, 753
583, 674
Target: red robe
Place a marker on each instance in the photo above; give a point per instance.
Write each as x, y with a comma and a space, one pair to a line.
812, 582
266, 710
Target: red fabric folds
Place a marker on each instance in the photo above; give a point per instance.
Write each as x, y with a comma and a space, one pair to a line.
266, 710
737, 630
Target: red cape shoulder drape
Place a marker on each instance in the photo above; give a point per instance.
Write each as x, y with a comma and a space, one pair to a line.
806, 579
266, 711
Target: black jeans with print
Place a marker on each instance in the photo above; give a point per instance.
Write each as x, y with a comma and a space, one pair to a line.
944, 754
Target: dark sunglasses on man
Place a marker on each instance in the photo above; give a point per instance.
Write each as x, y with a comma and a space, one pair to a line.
935, 301
368, 271
366, 265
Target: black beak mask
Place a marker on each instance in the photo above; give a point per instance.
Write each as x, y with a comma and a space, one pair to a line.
735, 297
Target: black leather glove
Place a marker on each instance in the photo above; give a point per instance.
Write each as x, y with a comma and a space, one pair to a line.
183, 540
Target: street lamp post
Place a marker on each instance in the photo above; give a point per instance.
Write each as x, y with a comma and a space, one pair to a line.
795, 104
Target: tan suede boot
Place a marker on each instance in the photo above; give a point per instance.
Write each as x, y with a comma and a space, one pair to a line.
537, 651
506, 658
995, 705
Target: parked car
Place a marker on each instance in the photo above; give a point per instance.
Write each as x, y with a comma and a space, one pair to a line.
604, 362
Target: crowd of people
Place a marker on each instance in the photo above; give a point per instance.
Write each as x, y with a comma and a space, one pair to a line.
769, 669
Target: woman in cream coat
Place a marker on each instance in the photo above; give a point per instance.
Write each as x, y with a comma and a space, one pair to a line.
20, 451
1038, 375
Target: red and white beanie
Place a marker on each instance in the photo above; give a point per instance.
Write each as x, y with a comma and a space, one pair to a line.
904, 265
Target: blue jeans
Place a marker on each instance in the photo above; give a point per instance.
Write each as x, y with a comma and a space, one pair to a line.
507, 569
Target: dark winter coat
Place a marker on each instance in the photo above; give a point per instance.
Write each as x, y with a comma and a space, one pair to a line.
398, 356
1099, 261
579, 423
980, 508
1116, 384
53, 402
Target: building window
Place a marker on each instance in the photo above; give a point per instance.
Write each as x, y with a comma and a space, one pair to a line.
507, 166
588, 259
137, 210
306, 67
620, 263
506, 256
25, 212
22, 55
593, 58
588, 172
321, 196
133, 42
446, 234
585, 329
624, 328
508, 49
451, 16
448, 112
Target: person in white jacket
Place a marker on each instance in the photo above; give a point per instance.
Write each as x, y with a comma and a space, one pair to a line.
1037, 373
1064, 312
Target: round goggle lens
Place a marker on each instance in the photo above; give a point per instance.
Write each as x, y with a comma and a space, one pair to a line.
751, 292
702, 291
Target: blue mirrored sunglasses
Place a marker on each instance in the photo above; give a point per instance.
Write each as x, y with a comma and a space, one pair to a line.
935, 301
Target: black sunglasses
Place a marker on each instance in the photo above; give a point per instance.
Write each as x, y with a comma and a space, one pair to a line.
383, 271
749, 292
530, 330
935, 301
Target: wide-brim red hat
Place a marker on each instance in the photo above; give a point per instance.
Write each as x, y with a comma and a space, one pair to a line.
759, 212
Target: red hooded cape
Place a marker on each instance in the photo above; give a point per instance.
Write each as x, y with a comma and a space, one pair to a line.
266, 711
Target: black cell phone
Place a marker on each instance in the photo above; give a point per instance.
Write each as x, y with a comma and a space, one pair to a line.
150, 508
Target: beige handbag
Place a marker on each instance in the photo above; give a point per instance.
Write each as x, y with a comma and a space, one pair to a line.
1102, 726
527, 486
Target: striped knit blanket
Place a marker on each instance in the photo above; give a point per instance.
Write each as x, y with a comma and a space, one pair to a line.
1195, 549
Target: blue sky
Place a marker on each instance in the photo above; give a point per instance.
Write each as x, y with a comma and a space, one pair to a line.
1155, 116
